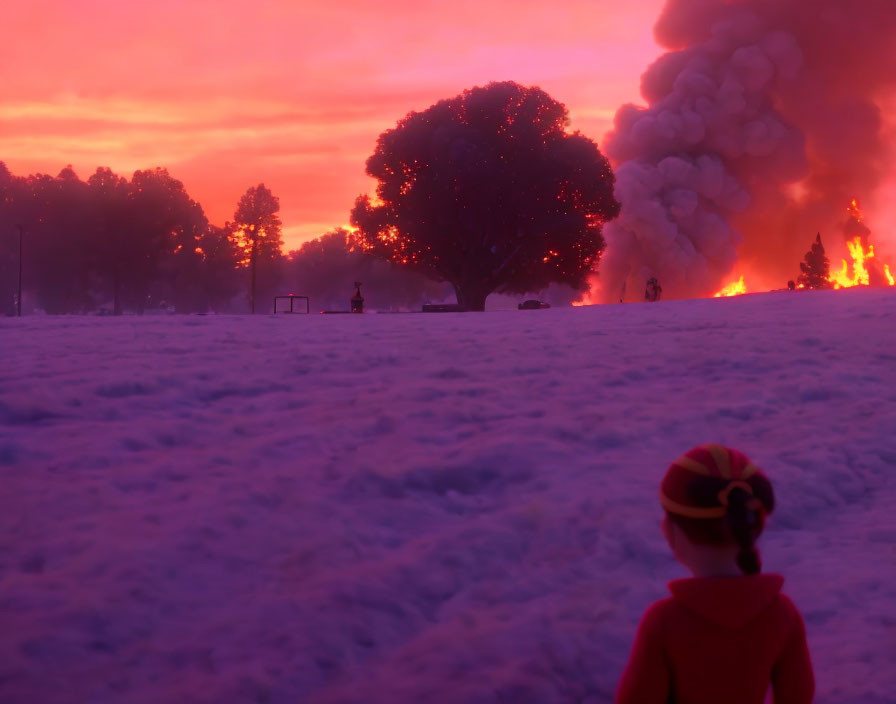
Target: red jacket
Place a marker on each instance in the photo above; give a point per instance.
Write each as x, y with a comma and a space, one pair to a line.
720, 639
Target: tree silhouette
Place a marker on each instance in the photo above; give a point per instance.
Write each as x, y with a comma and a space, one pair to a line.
137, 244
256, 229
168, 224
489, 192
817, 267
144, 240
55, 215
108, 199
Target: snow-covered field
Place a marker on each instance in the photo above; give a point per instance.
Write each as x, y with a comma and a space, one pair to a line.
424, 508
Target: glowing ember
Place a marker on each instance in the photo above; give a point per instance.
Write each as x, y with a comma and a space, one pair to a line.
889, 276
735, 289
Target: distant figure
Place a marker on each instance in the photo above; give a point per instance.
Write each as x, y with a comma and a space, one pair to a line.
357, 299
653, 290
726, 634
791, 285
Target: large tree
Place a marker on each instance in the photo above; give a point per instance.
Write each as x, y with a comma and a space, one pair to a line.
256, 228
488, 191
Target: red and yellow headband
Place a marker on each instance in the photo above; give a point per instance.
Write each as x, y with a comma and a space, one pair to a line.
714, 461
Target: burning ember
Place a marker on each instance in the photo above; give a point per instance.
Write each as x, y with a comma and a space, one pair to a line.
735, 289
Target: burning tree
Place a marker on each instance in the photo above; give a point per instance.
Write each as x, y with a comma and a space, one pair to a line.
489, 192
865, 272
816, 270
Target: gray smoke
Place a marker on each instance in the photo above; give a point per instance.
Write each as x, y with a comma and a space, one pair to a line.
762, 122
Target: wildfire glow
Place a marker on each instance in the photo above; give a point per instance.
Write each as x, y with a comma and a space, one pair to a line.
735, 289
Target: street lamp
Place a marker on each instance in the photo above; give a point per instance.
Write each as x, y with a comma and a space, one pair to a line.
19, 297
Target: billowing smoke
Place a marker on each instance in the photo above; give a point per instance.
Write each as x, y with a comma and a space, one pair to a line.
763, 121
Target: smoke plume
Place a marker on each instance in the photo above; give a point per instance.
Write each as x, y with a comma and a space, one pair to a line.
762, 122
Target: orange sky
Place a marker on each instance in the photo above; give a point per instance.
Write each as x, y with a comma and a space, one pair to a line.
227, 94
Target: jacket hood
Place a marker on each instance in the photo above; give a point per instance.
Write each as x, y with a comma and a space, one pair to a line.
730, 602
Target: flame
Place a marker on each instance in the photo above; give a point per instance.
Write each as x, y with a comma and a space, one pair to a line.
861, 274
734, 289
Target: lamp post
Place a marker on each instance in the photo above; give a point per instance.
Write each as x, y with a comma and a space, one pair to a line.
19, 296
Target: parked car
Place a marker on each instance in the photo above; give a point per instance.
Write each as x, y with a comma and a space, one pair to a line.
533, 304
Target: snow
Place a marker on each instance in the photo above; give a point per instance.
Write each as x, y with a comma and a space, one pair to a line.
440, 508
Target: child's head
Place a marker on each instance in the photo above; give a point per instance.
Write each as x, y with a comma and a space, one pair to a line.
718, 500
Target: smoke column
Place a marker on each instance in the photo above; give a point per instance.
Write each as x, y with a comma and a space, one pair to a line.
762, 122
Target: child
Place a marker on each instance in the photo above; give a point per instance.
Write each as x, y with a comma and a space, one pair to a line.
723, 636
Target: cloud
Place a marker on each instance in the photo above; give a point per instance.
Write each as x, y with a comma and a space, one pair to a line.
228, 94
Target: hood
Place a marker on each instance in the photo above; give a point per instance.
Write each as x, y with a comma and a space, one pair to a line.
731, 602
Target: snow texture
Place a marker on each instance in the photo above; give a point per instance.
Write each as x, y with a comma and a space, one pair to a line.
440, 508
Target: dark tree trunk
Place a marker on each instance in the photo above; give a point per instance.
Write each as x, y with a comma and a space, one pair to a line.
471, 296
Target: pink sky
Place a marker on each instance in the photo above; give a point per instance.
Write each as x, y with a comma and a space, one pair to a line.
227, 94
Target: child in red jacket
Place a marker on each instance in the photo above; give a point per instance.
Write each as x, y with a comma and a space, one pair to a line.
728, 633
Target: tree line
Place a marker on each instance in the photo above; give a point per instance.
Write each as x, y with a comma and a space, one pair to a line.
113, 244
486, 192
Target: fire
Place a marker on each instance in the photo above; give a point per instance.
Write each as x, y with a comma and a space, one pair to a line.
861, 275
735, 289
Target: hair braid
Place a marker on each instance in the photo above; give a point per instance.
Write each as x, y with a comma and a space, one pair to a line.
743, 523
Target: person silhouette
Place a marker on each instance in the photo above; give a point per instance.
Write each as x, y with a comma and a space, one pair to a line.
357, 300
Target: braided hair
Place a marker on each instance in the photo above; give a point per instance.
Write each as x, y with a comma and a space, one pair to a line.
718, 497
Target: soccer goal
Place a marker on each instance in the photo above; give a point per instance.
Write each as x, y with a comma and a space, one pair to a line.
292, 301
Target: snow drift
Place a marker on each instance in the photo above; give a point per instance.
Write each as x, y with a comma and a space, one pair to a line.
403, 508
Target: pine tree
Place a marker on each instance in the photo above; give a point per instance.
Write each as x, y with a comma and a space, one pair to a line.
256, 228
817, 267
